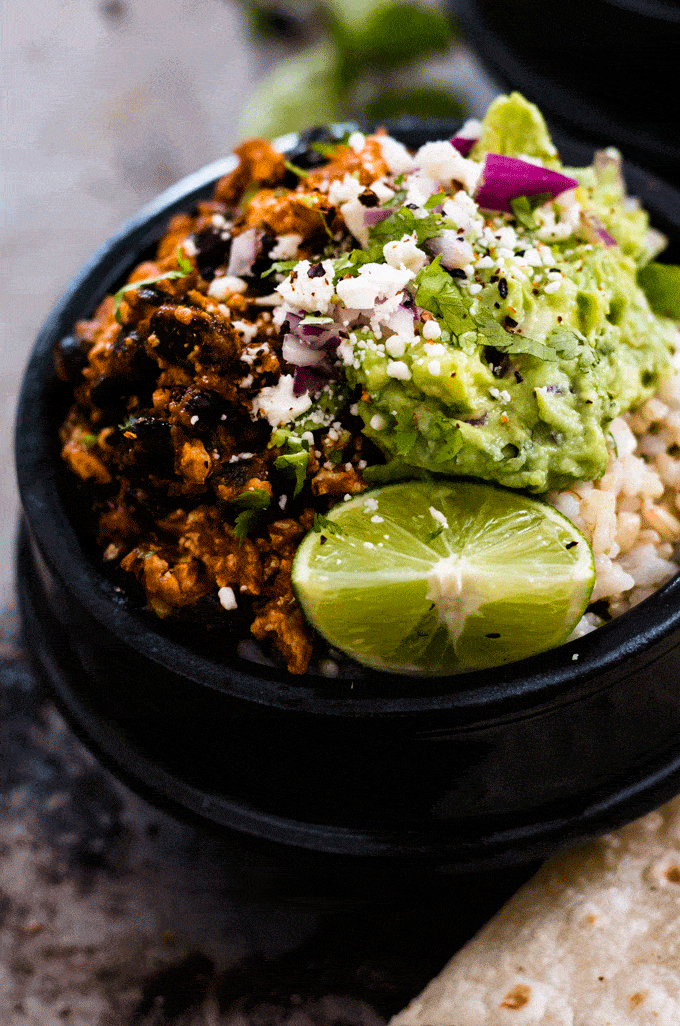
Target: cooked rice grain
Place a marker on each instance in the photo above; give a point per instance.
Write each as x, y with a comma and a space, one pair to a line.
630, 516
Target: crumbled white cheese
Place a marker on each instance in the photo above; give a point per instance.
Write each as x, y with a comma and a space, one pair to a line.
373, 282
399, 370
442, 161
278, 404
299, 291
194, 420
357, 141
226, 285
419, 189
404, 254
377, 422
189, 247
431, 330
395, 155
395, 346
345, 189
249, 331
434, 367
381, 190
227, 598
286, 247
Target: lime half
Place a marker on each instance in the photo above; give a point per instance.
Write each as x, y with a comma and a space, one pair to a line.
435, 577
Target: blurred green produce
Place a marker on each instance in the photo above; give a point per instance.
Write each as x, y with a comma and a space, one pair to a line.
352, 59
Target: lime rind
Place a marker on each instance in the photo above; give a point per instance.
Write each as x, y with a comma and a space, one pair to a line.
437, 577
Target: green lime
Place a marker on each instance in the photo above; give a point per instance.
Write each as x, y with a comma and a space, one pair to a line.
427, 577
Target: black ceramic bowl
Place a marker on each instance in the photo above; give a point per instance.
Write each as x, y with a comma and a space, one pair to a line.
604, 70
487, 768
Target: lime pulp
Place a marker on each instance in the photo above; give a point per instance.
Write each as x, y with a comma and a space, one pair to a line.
437, 577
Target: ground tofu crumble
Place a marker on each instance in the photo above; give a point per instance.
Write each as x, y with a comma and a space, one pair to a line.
347, 316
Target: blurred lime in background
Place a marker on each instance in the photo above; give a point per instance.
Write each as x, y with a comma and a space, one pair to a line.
345, 59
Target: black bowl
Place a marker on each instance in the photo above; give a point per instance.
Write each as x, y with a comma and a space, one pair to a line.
603, 70
476, 770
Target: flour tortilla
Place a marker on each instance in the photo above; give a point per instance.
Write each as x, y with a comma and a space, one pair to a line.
592, 940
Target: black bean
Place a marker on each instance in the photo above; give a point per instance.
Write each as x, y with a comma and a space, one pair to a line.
213, 250
150, 450
208, 406
303, 156
70, 358
498, 361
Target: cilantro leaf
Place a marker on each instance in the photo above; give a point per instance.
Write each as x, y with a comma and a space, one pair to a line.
434, 201
328, 149
252, 503
523, 208
300, 172
438, 292
185, 269
322, 523
280, 267
294, 462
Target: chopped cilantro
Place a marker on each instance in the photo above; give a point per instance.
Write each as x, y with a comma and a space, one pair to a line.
523, 208
300, 172
328, 149
335, 457
89, 440
434, 201
322, 523
280, 267
185, 269
438, 292
295, 460
252, 504
128, 423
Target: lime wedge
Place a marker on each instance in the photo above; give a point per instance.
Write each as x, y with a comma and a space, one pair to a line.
435, 577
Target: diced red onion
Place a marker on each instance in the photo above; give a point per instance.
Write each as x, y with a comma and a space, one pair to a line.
454, 252
506, 178
462, 144
299, 353
408, 303
467, 136
374, 215
595, 231
307, 379
312, 329
243, 252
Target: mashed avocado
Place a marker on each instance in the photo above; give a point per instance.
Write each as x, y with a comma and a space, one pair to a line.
533, 331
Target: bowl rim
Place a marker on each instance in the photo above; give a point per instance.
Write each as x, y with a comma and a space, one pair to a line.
517, 689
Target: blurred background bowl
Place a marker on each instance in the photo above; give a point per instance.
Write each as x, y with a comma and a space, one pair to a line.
604, 71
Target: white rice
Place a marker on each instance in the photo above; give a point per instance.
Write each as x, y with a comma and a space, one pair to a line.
631, 516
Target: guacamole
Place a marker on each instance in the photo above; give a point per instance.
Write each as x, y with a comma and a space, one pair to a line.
496, 344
